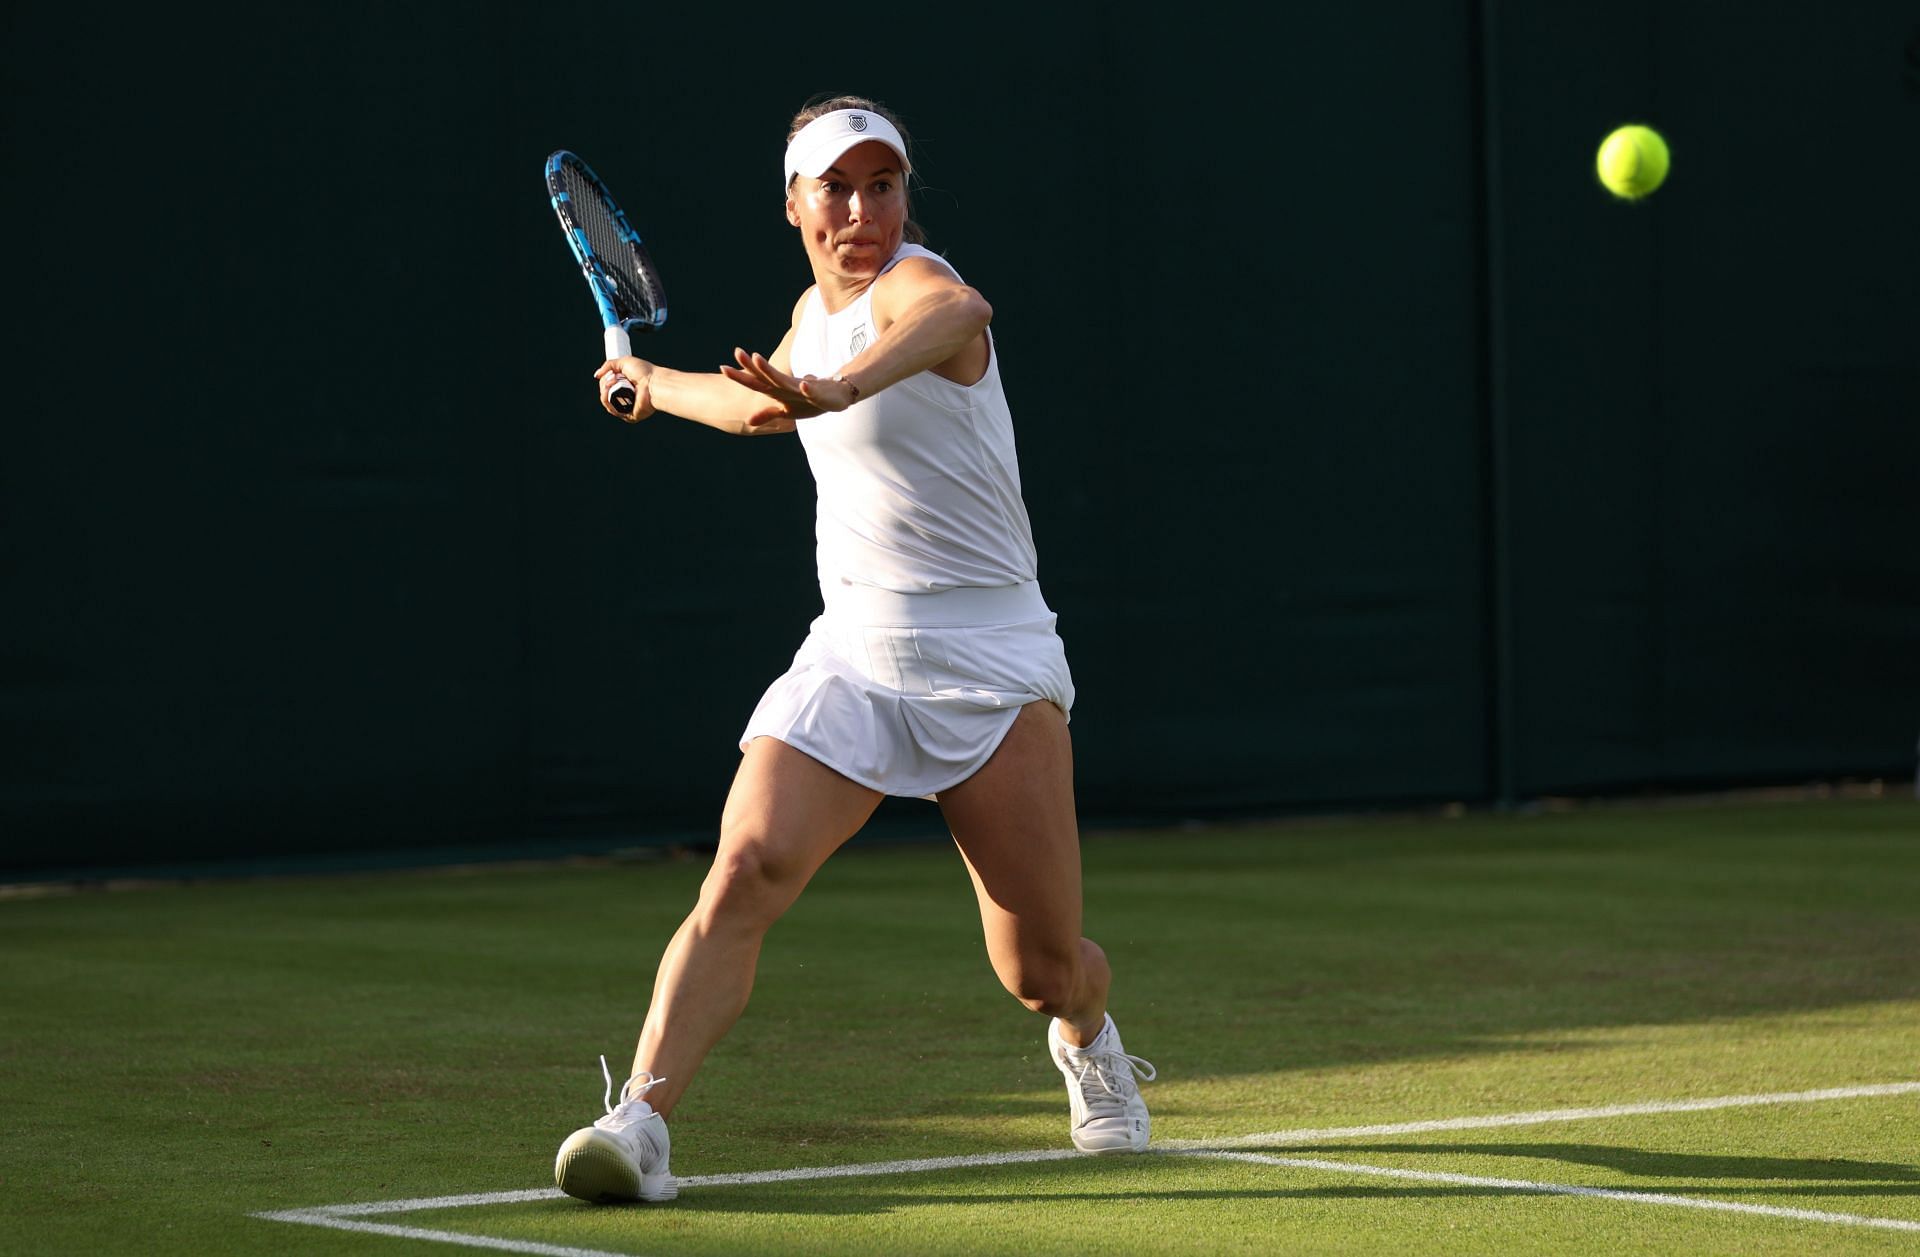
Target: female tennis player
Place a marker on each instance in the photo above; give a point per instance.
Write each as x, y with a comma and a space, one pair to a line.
933, 670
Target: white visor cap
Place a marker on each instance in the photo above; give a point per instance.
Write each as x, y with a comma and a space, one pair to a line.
822, 142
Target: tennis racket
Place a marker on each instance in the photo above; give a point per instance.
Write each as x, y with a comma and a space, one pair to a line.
626, 286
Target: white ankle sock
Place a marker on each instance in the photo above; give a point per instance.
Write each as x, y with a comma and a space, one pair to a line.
1105, 1030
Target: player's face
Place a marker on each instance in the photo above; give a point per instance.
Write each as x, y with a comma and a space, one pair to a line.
851, 217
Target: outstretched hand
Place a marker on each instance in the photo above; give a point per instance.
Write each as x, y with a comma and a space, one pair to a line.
790, 396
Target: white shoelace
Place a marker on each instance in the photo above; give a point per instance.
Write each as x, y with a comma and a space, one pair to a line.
1113, 1072
628, 1092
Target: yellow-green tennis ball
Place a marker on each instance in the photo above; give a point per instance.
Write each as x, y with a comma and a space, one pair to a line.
1632, 162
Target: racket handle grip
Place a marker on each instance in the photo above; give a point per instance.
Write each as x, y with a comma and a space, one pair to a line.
622, 395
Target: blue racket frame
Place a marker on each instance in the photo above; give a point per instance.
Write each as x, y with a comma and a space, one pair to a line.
619, 317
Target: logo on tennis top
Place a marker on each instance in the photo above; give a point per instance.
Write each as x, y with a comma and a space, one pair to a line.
856, 122
859, 340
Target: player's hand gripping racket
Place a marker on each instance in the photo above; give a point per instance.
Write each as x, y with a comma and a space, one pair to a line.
625, 284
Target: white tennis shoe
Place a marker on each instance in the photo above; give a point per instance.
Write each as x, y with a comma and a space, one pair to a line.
623, 1156
1108, 1113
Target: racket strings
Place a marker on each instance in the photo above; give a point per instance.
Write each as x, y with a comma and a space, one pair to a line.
636, 293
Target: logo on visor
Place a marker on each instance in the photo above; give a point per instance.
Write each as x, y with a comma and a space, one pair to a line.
856, 122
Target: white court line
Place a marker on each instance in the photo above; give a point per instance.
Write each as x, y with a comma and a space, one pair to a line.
1543, 1116
1559, 1189
436, 1202
344, 1217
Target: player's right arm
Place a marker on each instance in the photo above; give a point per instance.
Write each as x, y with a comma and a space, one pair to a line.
707, 398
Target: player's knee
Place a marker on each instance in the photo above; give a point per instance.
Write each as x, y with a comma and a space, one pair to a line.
746, 888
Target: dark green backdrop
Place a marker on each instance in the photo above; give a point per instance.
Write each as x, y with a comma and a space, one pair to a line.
1375, 455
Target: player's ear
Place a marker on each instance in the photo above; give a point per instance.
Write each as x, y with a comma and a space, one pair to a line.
793, 215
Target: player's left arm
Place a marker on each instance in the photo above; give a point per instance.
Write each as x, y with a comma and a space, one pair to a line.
925, 320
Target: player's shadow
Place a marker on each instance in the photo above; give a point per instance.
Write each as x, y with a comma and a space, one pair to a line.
1692, 1173
1642, 1163
747, 1200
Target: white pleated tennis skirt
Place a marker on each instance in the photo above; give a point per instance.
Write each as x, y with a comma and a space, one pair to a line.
910, 694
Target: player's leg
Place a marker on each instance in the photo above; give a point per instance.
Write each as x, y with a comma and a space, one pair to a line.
1015, 824
785, 815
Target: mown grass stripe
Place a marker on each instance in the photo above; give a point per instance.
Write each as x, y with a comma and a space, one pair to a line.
331, 1220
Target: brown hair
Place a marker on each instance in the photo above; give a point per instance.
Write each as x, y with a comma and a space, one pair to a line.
912, 233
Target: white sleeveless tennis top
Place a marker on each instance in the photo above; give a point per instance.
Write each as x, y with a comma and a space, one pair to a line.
919, 486
933, 632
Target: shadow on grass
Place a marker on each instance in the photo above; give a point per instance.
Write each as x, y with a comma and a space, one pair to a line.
1694, 1175
740, 1201
886, 1202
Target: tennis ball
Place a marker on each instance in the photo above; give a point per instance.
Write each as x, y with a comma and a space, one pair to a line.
1632, 162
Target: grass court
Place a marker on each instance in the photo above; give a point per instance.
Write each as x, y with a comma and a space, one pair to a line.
1689, 1027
